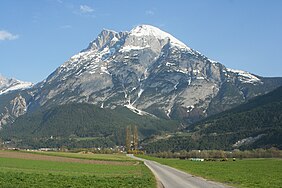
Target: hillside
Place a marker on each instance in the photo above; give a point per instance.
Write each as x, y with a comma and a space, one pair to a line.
82, 122
12, 105
260, 120
255, 124
131, 76
148, 71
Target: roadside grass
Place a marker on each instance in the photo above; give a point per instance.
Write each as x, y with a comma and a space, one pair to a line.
19, 172
240, 173
25, 180
100, 157
66, 168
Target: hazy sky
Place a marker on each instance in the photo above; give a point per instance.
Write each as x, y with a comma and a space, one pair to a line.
37, 36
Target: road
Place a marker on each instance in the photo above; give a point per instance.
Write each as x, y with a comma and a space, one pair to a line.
169, 177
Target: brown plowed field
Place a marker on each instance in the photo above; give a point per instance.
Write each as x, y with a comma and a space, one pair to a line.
32, 156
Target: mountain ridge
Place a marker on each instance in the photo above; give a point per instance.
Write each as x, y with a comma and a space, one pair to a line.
150, 72
255, 124
12, 84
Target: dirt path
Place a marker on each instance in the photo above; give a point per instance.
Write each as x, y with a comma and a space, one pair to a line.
32, 156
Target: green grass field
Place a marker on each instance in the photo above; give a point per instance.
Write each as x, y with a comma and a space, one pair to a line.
240, 173
26, 173
102, 157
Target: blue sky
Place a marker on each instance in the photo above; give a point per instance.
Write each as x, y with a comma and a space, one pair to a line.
37, 36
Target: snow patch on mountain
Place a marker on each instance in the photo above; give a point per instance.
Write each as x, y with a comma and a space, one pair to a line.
19, 85
104, 70
148, 30
7, 85
137, 111
245, 77
129, 48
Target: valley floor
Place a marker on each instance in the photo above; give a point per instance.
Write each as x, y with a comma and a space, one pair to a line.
24, 169
240, 173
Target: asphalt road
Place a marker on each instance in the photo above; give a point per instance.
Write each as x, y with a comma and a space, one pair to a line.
169, 177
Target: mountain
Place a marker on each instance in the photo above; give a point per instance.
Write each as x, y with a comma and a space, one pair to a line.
150, 72
81, 124
258, 123
12, 103
146, 70
255, 124
11, 84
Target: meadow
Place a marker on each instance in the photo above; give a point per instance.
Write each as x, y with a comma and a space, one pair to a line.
91, 156
23, 169
240, 173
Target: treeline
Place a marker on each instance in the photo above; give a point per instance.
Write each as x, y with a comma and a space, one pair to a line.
195, 141
220, 154
260, 116
212, 141
79, 121
36, 143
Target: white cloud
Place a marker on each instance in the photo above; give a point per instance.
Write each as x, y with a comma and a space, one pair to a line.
5, 35
150, 12
86, 9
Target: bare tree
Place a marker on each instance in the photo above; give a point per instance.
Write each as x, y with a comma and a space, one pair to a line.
128, 138
135, 138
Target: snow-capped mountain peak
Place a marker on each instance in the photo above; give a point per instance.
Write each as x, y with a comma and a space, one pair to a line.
140, 37
148, 70
12, 84
148, 30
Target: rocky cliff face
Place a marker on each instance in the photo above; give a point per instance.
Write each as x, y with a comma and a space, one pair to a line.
16, 107
150, 72
12, 103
